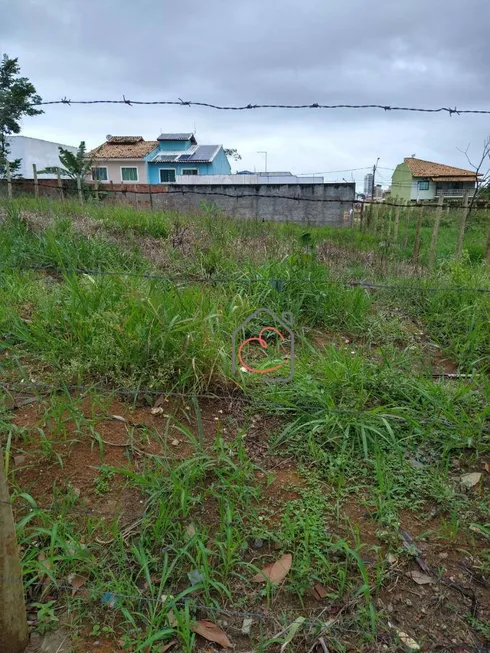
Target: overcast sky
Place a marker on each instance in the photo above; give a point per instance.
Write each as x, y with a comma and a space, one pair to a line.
421, 53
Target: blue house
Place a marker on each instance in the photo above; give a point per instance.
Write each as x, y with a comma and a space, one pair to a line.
180, 154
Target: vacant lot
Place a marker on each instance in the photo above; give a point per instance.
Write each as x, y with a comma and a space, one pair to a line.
151, 485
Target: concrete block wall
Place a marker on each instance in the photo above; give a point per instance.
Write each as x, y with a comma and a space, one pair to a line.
269, 202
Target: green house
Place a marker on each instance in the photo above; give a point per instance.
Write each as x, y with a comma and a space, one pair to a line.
415, 179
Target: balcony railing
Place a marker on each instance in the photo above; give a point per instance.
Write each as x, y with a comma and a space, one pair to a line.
454, 192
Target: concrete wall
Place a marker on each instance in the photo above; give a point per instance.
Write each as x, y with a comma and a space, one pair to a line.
260, 202
44, 154
401, 182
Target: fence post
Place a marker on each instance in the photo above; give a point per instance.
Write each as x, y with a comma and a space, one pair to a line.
462, 225
488, 248
407, 223
397, 223
96, 189
361, 218
416, 243
60, 185
374, 224
14, 636
79, 189
388, 231
9, 180
36, 180
435, 232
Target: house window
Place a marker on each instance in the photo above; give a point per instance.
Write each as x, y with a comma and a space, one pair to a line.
167, 176
129, 174
423, 185
100, 174
190, 171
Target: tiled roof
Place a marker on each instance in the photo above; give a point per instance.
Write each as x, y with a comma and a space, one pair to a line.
125, 140
123, 147
420, 168
177, 137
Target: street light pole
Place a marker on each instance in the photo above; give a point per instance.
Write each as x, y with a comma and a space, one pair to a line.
265, 153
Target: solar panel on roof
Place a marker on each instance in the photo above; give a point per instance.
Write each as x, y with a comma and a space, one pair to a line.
165, 158
185, 157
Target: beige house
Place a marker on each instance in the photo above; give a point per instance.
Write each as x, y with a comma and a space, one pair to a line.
121, 160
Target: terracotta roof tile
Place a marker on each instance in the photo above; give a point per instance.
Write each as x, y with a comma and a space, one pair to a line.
420, 168
123, 147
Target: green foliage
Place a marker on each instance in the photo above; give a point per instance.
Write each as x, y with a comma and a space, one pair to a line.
75, 166
18, 98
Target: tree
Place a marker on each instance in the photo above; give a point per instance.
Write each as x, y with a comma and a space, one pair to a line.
18, 98
482, 174
75, 166
233, 154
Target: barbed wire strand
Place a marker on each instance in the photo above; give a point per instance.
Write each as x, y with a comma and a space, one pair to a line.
185, 280
170, 603
253, 106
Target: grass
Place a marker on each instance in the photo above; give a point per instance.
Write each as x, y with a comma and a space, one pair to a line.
155, 517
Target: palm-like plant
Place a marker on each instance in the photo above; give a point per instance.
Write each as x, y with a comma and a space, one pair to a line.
75, 166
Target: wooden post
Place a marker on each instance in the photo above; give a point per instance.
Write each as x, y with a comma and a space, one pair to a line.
435, 232
374, 225
36, 180
462, 225
14, 636
9, 180
388, 231
60, 184
96, 189
407, 225
361, 218
488, 248
79, 189
416, 243
397, 223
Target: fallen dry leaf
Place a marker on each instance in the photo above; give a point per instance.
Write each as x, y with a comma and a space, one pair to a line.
119, 418
487, 467
419, 577
76, 582
211, 632
319, 592
470, 480
405, 639
157, 410
19, 460
276, 572
169, 645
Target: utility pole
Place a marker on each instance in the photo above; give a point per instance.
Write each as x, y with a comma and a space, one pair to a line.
265, 153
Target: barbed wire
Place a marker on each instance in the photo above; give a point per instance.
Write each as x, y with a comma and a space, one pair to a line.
168, 602
253, 106
185, 280
23, 388
151, 190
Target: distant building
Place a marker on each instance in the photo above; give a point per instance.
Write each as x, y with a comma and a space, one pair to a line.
45, 154
368, 185
415, 179
247, 177
378, 192
167, 160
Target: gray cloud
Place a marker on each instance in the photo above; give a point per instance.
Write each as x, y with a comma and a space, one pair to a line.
422, 54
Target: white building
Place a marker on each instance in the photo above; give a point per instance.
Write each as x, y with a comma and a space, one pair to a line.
44, 154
